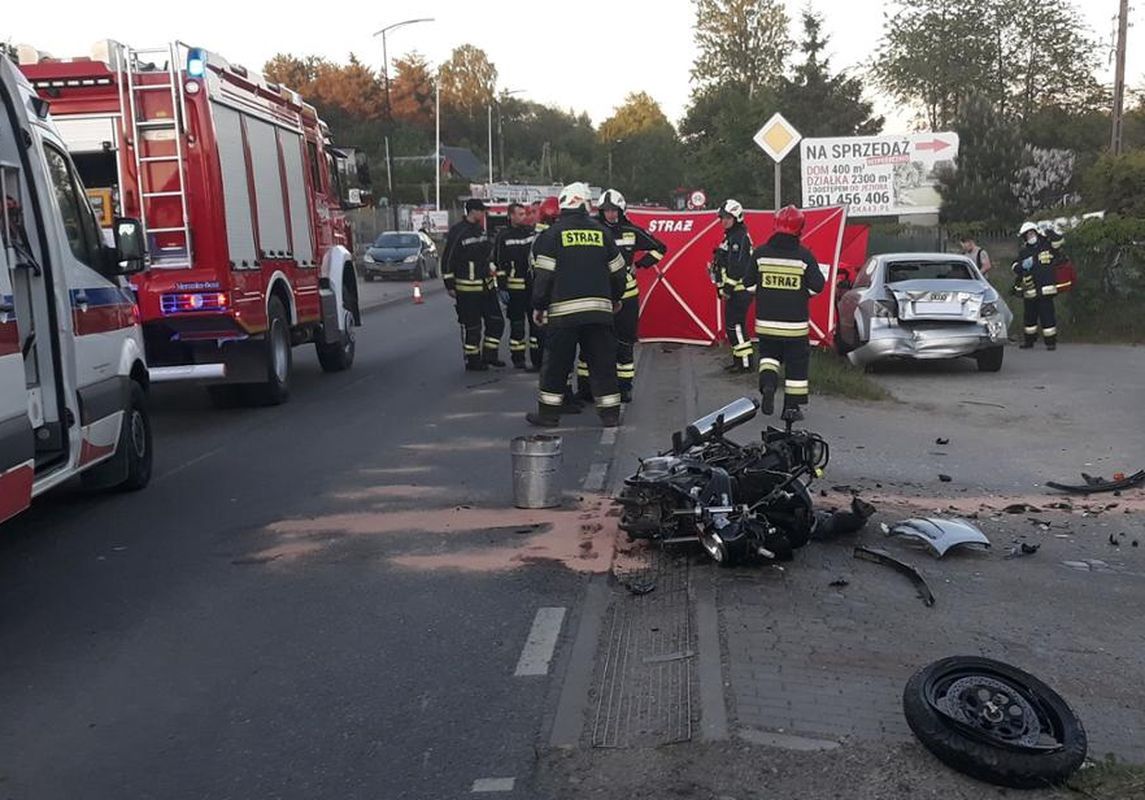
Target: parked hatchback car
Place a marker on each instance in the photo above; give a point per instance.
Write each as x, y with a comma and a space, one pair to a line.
397, 254
922, 306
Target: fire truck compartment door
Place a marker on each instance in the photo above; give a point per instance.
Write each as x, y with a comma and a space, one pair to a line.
17, 450
88, 134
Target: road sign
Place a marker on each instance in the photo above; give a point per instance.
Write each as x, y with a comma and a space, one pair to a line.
777, 137
876, 176
697, 199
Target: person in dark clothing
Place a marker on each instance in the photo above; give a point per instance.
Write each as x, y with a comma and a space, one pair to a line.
1035, 271
735, 277
630, 239
578, 283
465, 272
788, 276
547, 212
511, 251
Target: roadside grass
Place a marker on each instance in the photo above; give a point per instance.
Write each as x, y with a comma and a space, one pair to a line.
834, 375
1109, 780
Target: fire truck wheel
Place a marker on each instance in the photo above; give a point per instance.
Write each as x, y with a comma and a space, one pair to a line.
135, 439
276, 390
339, 356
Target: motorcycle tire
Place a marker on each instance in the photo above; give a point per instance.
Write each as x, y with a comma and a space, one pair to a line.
995, 752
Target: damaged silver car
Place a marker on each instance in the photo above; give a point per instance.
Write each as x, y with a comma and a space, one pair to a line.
922, 306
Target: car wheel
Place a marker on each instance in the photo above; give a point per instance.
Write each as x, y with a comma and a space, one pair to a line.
339, 356
990, 360
419, 273
276, 390
136, 439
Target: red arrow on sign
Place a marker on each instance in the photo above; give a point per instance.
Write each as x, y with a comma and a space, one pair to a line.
935, 145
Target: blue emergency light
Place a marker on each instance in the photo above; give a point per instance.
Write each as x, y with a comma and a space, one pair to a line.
196, 62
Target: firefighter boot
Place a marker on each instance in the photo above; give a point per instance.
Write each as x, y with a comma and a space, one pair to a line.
610, 417
1028, 342
571, 404
475, 364
543, 417
492, 359
768, 385
791, 414
626, 395
1051, 342
519, 361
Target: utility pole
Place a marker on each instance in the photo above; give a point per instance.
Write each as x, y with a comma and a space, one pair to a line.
1119, 79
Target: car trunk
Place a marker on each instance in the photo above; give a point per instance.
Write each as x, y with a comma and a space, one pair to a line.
945, 301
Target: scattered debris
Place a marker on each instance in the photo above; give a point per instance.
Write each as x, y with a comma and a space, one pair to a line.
1113, 541
942, 440
886, 529
639, 587
1021, 508
941, 535
1094, 485
1024, 549
1135, 543
1078, 565
877, 556
839, 583
945, 478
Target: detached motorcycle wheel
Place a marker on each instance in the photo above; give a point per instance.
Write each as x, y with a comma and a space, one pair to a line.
994, 722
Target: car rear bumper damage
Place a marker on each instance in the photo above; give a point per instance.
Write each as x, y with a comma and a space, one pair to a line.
893, 340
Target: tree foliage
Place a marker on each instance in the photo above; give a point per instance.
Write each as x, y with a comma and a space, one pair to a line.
1116, 184
412, 91
644, 146
468, 81
990, 153
741, 42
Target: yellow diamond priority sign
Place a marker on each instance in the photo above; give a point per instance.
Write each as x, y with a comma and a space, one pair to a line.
777, 137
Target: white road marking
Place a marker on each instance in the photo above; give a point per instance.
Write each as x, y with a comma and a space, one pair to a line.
542, 641
608, 436
494, 784
597, 473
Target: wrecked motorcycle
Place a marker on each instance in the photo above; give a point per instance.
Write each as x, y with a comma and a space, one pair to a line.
737, 500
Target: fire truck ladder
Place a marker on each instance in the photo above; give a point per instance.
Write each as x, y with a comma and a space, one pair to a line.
137, 61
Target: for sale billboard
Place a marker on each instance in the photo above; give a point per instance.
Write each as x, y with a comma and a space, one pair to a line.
877, 176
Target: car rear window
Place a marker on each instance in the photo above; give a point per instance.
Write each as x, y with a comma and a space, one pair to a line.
898, 271
397, 240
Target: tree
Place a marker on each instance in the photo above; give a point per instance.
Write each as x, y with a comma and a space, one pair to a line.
741, 42
644, 149
294, 72
468, 80
980, 188
412, 91
1045, 179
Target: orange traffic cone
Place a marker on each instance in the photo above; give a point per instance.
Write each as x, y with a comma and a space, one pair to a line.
417, 300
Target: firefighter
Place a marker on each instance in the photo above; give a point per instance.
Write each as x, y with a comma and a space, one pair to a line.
578, 283
735, 277
465, 271
630, 239
1037, 279
511, 251
788, 276
547, 212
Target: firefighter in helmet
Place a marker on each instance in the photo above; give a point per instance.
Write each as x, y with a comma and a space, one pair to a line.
1037, 281
511, 253
788, 276
735, 277
578, 282
631, 239
465, 272
546, 214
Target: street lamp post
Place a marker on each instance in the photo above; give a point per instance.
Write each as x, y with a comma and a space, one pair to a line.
389, 117
500, 132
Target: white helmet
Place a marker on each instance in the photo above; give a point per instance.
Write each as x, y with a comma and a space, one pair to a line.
612, 199
575, 195
1026, 228
1060, 224
732, 208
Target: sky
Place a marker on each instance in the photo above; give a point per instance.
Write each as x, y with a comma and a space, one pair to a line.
585, 56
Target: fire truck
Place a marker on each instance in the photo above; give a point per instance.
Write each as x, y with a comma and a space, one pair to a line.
73, 379
241, 194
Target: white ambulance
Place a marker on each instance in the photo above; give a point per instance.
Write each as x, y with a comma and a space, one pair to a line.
73, 378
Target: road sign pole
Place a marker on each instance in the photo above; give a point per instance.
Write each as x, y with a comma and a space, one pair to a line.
778, 183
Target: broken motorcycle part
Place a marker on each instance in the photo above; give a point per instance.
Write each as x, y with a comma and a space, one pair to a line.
1024, 549
829, 524
877, 556
1094, 485
994, 722
941, 535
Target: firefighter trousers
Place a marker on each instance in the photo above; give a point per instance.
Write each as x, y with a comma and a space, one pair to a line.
523, 332
794, 355
739, 336
470, 315
627, 322
1040, 311
597, 344
494, 324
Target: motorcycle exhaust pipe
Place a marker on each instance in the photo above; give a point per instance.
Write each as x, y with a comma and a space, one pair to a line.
730, 416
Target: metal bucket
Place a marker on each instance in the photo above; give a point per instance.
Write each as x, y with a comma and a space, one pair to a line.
536, 465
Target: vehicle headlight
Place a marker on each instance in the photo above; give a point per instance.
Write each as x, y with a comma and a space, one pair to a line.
989, 309
369, 259
410, 259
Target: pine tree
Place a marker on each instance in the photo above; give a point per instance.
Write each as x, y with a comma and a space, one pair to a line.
741, 42
980, 188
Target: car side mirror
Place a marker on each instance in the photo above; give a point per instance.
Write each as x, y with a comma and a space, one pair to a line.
130, 249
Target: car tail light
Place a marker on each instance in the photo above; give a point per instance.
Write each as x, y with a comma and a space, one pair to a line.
989, 309
887, 309
189, 302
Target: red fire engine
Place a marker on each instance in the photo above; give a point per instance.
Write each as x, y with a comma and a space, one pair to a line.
241, 194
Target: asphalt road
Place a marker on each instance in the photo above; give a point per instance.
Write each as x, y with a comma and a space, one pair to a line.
328, 599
